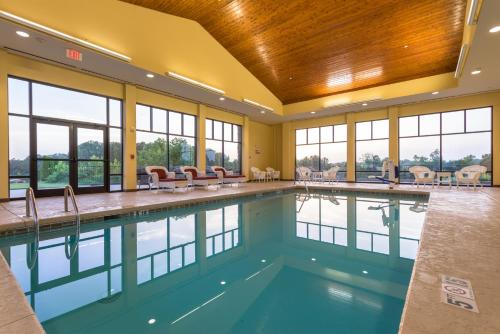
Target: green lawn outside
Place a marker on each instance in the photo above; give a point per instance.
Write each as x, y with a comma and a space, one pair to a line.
41, 185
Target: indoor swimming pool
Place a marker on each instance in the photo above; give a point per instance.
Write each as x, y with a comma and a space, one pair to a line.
286, 262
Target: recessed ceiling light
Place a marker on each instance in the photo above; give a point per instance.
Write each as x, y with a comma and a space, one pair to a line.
495, 29
262, 111
313, 112
364, 104
222, 282
151, 321
149, 75
222, 98
435, 93
476, 71
365, 272
22, 33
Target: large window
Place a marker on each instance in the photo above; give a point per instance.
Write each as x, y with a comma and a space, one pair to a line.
446, 141
322, 148
164, 138
372, 148
223, 145
67, 134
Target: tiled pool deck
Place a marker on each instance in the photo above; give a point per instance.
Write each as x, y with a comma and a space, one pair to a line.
460, 238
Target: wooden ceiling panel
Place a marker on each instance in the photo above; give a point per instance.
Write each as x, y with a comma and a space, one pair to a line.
305, 49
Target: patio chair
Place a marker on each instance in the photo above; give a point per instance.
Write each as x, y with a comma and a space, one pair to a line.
423, 175
257, 174
226, 176
161, 178
273, 174
331, 174
196, 177
470, 175
303, 174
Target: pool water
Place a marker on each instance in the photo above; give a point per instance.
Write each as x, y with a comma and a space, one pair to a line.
279, 263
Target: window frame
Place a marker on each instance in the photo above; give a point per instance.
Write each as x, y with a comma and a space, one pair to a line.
223, 141
167, 135
32, 118
371, 139
441, 134
319, 143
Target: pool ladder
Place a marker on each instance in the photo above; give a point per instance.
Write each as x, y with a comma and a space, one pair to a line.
71, 243
32, 211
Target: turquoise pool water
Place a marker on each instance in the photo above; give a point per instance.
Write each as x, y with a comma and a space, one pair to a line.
280, 263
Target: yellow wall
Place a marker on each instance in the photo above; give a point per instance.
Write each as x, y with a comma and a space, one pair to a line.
263, 149
129, 139
166, 102
253, 133
4, 130
163, 43
392, 113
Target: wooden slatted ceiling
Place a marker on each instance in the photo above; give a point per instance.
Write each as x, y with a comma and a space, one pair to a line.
304, 49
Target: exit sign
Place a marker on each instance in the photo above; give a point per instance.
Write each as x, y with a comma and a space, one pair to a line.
73, 54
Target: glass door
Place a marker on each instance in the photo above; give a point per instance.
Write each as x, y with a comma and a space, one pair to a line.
68, 153
52, 158
90, 159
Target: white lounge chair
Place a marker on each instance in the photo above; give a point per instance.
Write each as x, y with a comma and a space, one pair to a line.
423, 175
273, 174
226, 176
304, 174
196, 177
470, 175
331, 174
160, 177
257, 174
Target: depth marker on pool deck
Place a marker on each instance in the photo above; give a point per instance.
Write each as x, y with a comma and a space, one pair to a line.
458, 292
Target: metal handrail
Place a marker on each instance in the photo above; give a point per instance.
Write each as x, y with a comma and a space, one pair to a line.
68, 192
32, 211
31, 207
72, 244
